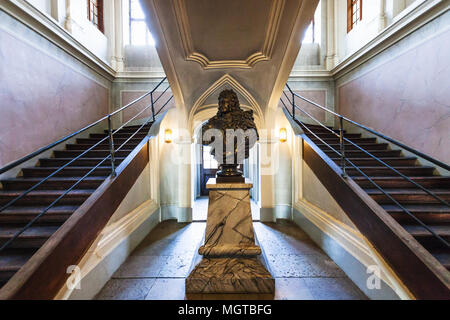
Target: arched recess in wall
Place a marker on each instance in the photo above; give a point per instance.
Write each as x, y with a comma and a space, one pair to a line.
206, 105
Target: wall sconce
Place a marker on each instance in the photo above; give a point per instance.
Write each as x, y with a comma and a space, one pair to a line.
283, 135
168, 136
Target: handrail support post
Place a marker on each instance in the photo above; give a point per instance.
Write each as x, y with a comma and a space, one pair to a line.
293, 105
153, 106
111, 148
342, 143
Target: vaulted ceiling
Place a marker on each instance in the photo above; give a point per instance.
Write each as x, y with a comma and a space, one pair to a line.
252, 43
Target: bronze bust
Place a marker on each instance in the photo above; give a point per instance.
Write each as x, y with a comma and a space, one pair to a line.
231, 133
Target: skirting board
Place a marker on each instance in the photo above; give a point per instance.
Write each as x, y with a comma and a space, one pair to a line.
111, 251
277, 212
350, 251
173, 212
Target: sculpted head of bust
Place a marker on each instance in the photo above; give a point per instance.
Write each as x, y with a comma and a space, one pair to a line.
228, 102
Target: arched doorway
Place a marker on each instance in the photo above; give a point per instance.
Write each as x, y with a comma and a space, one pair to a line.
206, 167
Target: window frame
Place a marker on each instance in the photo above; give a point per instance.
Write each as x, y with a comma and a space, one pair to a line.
351, 23
100, 22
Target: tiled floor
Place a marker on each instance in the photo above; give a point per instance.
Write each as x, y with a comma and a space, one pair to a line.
200, 209
157, 268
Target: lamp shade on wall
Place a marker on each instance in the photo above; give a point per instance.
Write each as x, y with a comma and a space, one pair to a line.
283, 135
168, 136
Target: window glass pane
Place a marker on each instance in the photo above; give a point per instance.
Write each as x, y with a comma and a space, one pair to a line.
309, 34
150, 40
208, 160
136, 10
138, 33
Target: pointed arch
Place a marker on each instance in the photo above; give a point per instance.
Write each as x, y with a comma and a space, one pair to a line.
233, 83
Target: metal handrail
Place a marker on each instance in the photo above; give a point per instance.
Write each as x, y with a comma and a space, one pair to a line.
110, 156
345, 160
398, 143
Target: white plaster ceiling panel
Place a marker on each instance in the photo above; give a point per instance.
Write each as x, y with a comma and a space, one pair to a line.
199, 63
228, 34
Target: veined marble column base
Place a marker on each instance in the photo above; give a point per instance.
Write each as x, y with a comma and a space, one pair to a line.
230, 275
230, 261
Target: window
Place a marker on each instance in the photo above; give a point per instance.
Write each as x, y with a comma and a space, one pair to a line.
95, 13
354, 13
313, 33
310, 33
136, 31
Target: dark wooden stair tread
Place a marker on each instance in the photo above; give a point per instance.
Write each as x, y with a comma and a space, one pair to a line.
419, 231
400, 182
381, 170
81, 162
13, 260
349, 147
30, 206
45, 192
419, 203
45, 197
102, 171
57, 183
443, 258
100, 146
20, 214
90, 154
7, 232
408, 191
358, 153
418, 208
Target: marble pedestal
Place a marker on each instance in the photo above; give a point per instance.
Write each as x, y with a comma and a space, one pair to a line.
230, 261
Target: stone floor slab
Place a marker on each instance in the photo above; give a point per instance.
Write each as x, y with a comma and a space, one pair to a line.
126, 289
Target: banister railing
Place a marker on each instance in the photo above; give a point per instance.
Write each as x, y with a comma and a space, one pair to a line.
110, 156
398, 143
291, 109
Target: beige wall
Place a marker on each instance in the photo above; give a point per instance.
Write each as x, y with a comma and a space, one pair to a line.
403, 92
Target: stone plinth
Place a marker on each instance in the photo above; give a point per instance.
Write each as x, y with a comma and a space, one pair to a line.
230, 261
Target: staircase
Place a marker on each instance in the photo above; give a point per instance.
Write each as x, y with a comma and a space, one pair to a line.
24, 210
425, 207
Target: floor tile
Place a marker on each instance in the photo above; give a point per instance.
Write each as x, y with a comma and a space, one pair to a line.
141, 267
167, 289
126, 289
177, 266
334, 289
292, 289
157, 269
303, 266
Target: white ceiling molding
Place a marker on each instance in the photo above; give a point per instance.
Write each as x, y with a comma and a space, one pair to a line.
264, 54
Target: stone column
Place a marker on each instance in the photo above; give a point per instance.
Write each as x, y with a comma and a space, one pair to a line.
330, 58
230, 261
117, 54
382, 16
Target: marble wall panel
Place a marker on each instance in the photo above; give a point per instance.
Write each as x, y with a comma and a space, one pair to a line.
129, 96
406, 97
42, 99
317, 96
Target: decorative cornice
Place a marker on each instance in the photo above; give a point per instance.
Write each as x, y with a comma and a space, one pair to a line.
403, 25
264, 54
